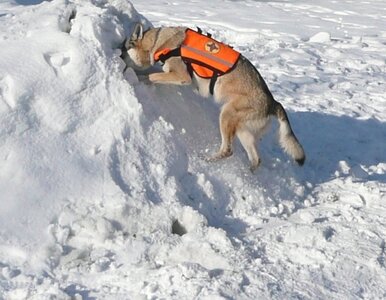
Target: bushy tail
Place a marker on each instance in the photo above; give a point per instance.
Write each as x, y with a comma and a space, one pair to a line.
287, 138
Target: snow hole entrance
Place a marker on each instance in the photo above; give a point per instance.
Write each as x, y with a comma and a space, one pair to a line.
178, 228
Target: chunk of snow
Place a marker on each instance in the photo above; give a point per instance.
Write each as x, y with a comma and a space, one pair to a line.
321, 37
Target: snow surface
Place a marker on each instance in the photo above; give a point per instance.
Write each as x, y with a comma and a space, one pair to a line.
103, 190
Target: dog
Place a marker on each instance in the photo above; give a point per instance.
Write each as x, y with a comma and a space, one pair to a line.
247, 103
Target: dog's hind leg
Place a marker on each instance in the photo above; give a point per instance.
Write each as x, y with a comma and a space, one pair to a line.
247, 139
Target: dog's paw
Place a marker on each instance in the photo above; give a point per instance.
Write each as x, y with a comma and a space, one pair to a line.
219, 156
254, 166
155, 77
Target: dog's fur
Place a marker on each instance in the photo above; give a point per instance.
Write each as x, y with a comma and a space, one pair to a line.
247, 103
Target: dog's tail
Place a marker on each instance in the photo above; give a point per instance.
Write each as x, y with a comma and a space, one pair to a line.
287, 138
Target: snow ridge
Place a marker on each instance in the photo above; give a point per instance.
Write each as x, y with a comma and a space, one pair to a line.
104, 191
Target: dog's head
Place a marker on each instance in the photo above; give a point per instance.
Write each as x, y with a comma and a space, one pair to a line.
139, 47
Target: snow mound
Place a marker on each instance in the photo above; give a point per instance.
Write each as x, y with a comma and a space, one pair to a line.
92, 176
103, 190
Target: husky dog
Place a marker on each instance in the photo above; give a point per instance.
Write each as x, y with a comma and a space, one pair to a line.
247, 103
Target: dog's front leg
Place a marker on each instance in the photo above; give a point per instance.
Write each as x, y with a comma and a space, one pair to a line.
175, 72
169, 78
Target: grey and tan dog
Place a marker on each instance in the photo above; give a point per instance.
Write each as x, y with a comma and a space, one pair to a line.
247, 103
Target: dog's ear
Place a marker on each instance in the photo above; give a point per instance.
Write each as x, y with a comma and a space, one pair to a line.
137, 32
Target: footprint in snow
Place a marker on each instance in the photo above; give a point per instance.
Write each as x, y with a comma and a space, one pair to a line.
7, 87
57, 60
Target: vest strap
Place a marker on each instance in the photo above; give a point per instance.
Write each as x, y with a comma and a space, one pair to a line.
164, 56
213, 80
189, 68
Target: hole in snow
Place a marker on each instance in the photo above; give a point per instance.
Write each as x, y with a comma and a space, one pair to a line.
216, 273
75, 291
65, 21
178, 228
328, 233
70, 18
124, 56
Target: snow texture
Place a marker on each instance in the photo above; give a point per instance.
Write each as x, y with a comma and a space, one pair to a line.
104, 192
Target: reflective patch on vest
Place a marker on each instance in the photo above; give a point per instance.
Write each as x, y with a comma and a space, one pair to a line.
206, 58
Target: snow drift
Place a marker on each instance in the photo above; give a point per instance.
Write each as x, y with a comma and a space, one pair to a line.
104, 192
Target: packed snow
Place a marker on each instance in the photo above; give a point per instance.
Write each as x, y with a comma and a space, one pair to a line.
104, 189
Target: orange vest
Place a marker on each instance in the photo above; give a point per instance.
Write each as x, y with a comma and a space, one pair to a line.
207, 57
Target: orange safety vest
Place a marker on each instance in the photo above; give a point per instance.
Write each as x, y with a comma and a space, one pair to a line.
203, 55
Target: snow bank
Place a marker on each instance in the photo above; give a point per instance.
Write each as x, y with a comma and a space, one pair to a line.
103, 190
74, 138
54, 104
91, 179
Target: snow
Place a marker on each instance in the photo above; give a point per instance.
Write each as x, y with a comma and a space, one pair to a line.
104, 191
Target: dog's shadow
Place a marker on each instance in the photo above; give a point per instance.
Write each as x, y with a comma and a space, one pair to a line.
332, 141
